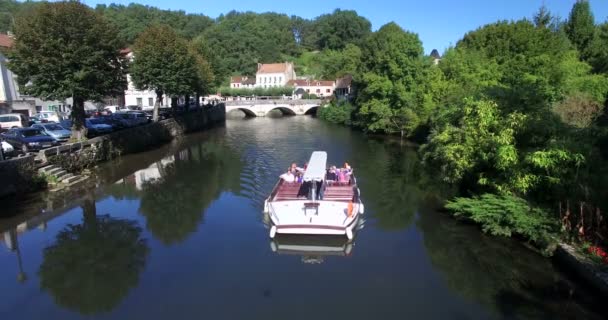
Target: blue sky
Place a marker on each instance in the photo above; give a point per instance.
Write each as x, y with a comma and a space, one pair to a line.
439, 23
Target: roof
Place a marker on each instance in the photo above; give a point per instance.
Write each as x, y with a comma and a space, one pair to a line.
345, 81
6, 41
316, 166
310, 83
273, 67
236, 79
250, 80
435, 54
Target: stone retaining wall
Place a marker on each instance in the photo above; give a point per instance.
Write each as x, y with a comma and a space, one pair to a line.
595, 275
15, 177
18, 175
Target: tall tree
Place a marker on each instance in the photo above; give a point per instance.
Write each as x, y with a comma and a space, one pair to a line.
163, 63
334, 31
55, 60
543, 18
390, 91
580, 27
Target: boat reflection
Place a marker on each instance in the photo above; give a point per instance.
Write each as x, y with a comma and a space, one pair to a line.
313, 249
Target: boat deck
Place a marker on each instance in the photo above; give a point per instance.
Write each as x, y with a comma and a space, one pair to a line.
287, 191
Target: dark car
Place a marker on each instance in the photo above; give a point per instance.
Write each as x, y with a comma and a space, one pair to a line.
95, 126
29, 139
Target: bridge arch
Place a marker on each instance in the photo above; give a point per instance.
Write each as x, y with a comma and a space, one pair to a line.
284, 110
312, 111
248, 112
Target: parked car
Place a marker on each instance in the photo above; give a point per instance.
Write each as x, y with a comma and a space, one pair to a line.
116, 122
35, 119
7, 149
95, 126
133, 118
13, 120
29, 139
54, 130
50, 116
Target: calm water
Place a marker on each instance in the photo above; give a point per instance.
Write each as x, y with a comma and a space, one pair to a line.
178, 233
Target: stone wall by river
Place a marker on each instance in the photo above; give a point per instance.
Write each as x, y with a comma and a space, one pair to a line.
19, 175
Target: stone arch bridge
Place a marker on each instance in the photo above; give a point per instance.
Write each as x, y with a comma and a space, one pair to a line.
260, 108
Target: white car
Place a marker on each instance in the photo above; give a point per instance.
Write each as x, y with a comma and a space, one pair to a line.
7, 148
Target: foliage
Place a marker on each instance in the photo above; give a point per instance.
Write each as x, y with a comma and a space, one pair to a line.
91, 266
133, 19
504, 216
578, 110
260, 92
340, 112
335, 64
397, 88
580, 27
76, 162
335, 31
244, 39
55, 60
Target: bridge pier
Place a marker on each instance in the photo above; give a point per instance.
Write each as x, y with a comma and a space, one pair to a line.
261, 108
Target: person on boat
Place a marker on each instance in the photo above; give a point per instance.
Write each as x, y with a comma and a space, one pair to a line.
347, 167
331, 174
288, 176
294, 168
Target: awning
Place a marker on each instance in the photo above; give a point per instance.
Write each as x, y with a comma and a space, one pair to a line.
316, 166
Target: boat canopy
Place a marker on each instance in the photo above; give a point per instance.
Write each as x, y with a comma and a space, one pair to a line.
316, 166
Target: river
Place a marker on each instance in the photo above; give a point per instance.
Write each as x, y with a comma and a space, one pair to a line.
178, 233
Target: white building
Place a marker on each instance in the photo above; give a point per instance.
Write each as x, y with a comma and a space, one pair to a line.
320, 88
10, 99
240, 82
144, 99
274, 74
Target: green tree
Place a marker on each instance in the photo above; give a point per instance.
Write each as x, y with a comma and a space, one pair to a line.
334, 31
580, 27
55, 60
335, 64
391, 91
134, 19
163, 63
92, 266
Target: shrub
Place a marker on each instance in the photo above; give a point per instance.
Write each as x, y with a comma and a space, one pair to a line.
340, 113
504, 215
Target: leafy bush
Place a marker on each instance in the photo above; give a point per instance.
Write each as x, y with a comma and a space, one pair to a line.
504, 215
340, 113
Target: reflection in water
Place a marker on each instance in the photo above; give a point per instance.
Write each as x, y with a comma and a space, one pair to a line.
410, 261
177, 190
91, 266
496, 272
314, 249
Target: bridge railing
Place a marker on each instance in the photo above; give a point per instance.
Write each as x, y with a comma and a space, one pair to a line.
270, 102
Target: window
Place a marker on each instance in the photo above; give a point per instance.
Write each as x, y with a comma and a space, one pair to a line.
151, 102
328, 90
318, 90
275, 79
264, 79
140, 102
307, 90
280, 79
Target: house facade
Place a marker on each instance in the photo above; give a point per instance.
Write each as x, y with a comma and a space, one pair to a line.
274, 74
239, 82
344, 87
143, 99
320, 88
10, 98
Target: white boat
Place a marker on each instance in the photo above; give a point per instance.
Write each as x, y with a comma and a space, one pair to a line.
328, 208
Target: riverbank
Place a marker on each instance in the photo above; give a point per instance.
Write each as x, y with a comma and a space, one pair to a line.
20, 175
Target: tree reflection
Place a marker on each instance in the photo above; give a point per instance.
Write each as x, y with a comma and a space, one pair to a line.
495, 272
92, 266
174, 204
390, 183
